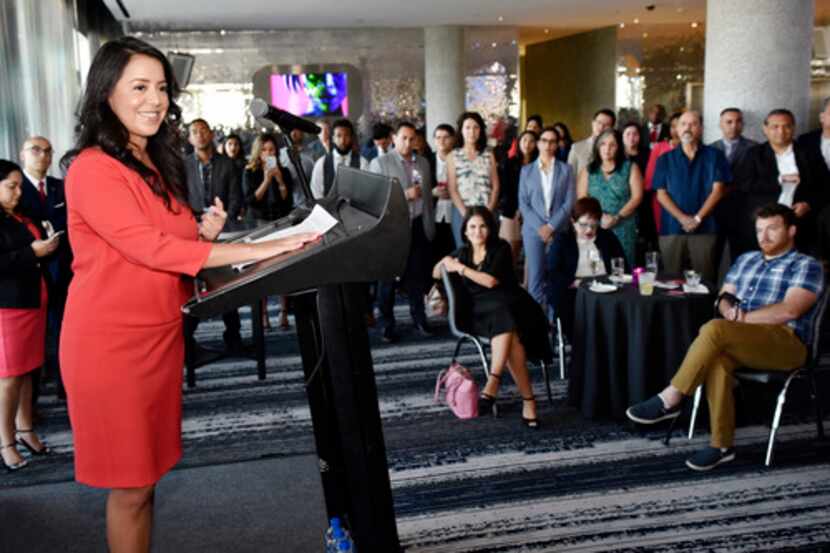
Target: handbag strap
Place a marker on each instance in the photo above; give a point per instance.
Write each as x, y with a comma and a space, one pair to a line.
442, 377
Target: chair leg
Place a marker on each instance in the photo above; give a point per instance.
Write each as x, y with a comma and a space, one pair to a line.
776, 419
695, 407
457, 349
817, 404
483, 357
546, 375
561, 343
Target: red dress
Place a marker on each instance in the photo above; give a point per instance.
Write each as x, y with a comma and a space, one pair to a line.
122, 349
23, 331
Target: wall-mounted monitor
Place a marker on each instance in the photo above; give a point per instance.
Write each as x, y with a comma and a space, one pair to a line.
311, 94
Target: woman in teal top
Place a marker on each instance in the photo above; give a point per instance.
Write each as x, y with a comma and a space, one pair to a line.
618, 185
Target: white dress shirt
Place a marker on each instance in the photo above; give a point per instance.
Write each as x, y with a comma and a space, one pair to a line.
317, 175
590, 262
786, 166
825, 150
547, 185
443, 208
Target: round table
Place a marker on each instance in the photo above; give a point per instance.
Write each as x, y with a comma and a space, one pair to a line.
627, 347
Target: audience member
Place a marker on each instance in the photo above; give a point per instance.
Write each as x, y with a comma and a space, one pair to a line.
510, 226
306, 162
732, 142
415, 177
565, 141
23, 308
766, 325
133, 236
420, 144
635, 148
533, 124
325, 168
777, 170
637, 152
816, 147
472, 175
546, 196
656, 125
322, 146
580, 154
656, 151
380, 142
500, 309
43, 200
618, 185
444, 138
584, 250
689, 181
235, 152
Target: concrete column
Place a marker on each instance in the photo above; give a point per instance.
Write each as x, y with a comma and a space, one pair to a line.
444, 75
757, 59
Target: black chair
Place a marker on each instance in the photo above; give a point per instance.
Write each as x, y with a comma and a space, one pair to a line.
783, 379
453, 312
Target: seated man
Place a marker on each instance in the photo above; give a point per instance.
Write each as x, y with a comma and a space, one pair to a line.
766, 327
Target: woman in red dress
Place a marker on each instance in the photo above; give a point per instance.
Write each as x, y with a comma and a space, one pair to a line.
22, 318
134, 238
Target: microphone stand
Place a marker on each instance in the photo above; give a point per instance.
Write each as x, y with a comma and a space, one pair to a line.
298, 167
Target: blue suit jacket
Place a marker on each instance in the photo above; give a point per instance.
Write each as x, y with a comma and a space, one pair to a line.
532, 200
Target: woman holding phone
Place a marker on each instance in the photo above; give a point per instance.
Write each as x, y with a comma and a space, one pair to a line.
23, 299
134, 237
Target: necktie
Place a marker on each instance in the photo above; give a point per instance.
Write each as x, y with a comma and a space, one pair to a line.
41, 188
653, 137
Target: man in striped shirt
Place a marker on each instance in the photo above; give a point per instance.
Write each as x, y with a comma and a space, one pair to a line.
766, 326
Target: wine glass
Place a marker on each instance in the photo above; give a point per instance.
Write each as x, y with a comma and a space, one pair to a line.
595, 260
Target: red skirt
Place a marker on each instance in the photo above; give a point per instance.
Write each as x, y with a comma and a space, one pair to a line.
23, 338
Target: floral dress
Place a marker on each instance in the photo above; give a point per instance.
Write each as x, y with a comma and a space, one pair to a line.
613, 193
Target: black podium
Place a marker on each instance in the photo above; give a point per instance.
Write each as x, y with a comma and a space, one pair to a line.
369, 243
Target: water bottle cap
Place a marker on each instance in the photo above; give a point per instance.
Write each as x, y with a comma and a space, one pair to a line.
335, 522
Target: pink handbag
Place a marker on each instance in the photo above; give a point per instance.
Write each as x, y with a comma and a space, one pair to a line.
461, 391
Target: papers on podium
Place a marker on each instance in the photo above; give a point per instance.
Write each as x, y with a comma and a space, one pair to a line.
319, 221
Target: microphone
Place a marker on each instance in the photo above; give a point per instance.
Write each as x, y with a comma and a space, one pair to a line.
286, 121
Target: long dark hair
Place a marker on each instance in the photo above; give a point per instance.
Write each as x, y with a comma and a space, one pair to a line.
481, 143
489, 221
99, 126
619, 159
7, 168
564, 133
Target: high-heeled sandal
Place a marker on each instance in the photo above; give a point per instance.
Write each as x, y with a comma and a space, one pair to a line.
533, 423
16, 466
42, 451
486, 402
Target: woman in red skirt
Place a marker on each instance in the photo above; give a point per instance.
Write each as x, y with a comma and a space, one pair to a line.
23, 299
133, 238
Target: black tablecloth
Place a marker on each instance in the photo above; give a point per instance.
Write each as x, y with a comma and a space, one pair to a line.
627, 347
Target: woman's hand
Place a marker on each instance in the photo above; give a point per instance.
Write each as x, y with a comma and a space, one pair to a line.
42, 248
213, 221
453, 265
289, 243
274, 173
608, 221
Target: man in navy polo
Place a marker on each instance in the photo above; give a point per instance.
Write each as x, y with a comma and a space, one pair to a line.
689, 182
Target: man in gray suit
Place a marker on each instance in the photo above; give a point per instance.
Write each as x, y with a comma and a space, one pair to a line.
211, 175
733, 144
413, 172
580, 154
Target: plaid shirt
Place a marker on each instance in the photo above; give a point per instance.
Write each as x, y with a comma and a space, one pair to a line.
760, 282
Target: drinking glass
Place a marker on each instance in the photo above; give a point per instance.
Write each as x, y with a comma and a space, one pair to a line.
618, 267
652, 259
646, 283
594, 258
692, 278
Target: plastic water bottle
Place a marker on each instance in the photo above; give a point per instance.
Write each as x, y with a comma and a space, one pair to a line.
345, 545
333, 535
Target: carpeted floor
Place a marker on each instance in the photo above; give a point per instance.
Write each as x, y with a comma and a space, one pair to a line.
489, 485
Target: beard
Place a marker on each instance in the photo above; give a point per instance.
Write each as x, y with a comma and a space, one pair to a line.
343, 151
687, 138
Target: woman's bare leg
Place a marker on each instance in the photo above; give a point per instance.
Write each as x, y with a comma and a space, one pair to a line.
518, 369
9, 402
499, 350
130, 519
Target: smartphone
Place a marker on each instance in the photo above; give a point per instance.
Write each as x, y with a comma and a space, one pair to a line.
57, 234
270, 163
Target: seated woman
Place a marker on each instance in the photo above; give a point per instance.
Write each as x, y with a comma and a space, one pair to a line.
501, 310
584, 251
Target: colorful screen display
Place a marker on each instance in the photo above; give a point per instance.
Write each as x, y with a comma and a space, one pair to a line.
311, 94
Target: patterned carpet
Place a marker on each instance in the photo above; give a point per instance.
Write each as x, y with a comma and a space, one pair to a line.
488, 485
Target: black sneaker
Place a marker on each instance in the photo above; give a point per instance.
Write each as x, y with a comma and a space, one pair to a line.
710, 457
652, 411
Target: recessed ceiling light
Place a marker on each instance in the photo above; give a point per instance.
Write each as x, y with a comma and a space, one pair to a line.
694, 24
645, 35
513, 42
494, 44
547, 31
622, 25
501, 18
223, 32
636, 20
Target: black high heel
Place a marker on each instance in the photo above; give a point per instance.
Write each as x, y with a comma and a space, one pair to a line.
16, 466
42, 451
486, 402
533, 424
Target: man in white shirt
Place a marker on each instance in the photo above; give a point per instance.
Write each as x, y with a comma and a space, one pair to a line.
342, 153
580, 154
444, 139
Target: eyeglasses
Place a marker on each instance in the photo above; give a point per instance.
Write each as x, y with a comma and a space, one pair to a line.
587, 226
37, 150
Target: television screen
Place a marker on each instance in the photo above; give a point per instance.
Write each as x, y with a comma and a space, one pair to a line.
311, 94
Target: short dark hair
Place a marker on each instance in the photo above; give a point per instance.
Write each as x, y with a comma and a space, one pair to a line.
481, 143
381, 131
404, 125
605, 111
780, 111
7, 168
552, 129
489, 222
586, 206
727, 110
564, 132
343, 123
675, 116
619, 158
535, 117
444, 127
198, 120
775, 209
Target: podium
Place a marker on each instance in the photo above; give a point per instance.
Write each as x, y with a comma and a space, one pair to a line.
370, 242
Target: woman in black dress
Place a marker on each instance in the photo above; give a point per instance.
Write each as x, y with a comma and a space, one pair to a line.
501, 310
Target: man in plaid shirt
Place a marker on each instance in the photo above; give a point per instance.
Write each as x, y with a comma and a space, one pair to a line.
767, 327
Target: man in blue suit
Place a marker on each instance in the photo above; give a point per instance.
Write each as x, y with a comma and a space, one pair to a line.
43, 199
547, 192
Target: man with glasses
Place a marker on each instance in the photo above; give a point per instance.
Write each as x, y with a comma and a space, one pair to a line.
43, 200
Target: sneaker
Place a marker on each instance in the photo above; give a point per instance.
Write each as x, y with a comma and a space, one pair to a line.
652, 411
710, 457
